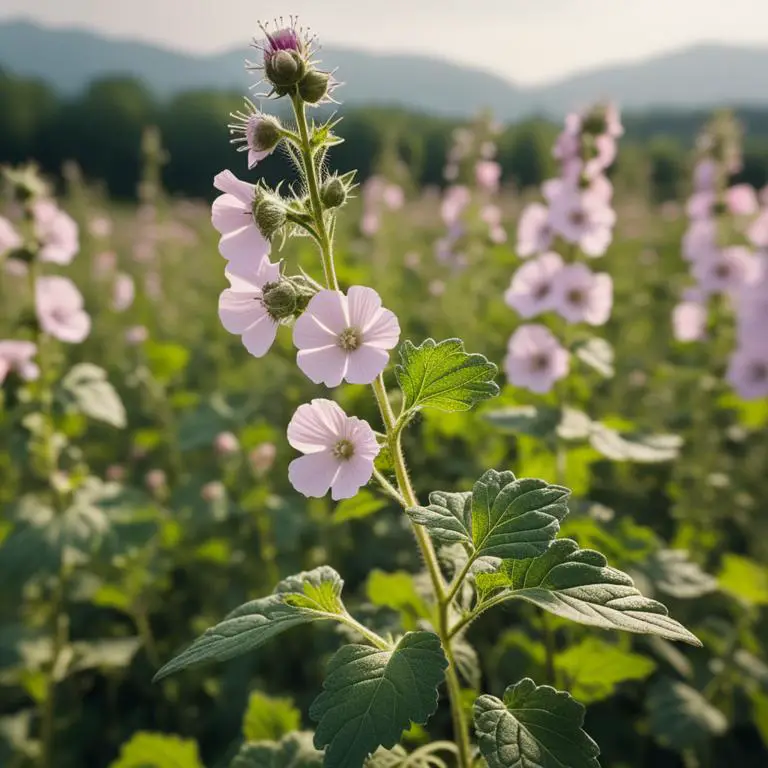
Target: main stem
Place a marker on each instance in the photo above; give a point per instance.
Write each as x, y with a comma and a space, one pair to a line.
393, 441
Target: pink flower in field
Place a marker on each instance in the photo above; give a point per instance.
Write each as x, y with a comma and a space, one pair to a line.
532, 290
741, 200
232, 216
497, 235
345, 337
748, 371
393, 197
123, 293
705, 175
700, 240
100, 226
700, 205
534, 230
488, 175
456, 199
583, 219
213, 491
18, 356
535, 358
339, 451
758, 231
606, 151
9, 237
689, 321
56, 231
583, 296
59, 307
751, 302
225, 444
242, 310
136, 334
155, 480
568, 144
727, 270
370, 223
262, 457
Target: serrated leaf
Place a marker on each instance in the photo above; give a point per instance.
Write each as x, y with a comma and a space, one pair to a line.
371, 696
642, 449
534, 727
295, 750
87, 388
443, 376
744, 579
680, 717
363, 504
399, 757
598, 354
158, 750
594, 668
672, 572
306, 597
269, 719
448, 516
577, 584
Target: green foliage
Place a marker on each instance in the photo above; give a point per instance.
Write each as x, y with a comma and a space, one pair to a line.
535, 726
744, 579
360, 506
644, 449
502, 517
294, 750
269, 719
158, 750
306, 597
598, 354
87, 389
371, 696
442, 375
577, 584
397, 591
672, 572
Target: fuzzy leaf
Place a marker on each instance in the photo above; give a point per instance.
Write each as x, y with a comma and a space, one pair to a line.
86, 387
577, 584
294, 750
371, 696
598, 354
672, 572
309, 596
642, 449
269, 719
534, 727
443, 376
536, 421
448, 516
158, 750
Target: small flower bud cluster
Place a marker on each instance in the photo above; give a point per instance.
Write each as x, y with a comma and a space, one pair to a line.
576, 221
726, 244
467, 209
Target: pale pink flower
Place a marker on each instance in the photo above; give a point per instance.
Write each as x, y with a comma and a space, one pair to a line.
226, 443
18, 356
534, 230
345, 337
393, 197
9, 237
123, 292
535, 358
582, 295
532, 290
613, 126
60, 311
488, 175
339, 451
100, 226
213, 491
580, 218
155, 480
758, 231
136, 334
232, 216
705, 175
567, 146
751, 302
370, 223
700, 240
262, 457
241, 307
748, 371
497, 235
56, 231
689, 321
727, 270
741, 200
456, 199
700, 205
607, 149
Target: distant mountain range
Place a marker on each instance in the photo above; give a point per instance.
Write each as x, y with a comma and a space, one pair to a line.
698, 77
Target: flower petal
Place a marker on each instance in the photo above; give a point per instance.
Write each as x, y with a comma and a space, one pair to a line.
260, 336
330, 309
323, 365
352, 474
316, 426
365, 364
364, 304
314, 474
309, 333
383, 332
226, 181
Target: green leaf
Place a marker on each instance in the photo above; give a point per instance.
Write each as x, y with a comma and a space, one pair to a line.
744, 579
537, 421
363, 504
397, 591
166, 361
294, 750
442, 375
598, 354
371, 696
158, 750
672, 572
680, 717
309, 596
269, 719
577, 584
86, 388
113, 652
534, 727
642, 449
502, 517
594, 668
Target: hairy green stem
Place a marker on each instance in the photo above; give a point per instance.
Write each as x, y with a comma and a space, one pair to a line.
549, 649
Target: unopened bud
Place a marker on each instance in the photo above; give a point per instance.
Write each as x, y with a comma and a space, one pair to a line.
334, 193
269, 215
314, 86
225, 444
280, 299
265, 133
213, 491
284, 69
262, 457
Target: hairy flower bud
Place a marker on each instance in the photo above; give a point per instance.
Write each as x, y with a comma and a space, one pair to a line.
284, 69
269, 215
287, 298
333, 193
313, 87
265, 133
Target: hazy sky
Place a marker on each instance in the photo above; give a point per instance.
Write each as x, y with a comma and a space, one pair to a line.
526, 40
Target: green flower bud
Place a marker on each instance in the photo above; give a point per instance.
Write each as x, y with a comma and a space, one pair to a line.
269, 215
265, 133
333, 193
314, 86
280, 299
284, 69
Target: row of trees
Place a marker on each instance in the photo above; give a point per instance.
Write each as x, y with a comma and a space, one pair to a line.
101, 129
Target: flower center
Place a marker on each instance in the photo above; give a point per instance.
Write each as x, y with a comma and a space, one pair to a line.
578, 218
344, 449
722, 271
542, 291
759, 372
350, 339
576, 296
539, 362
